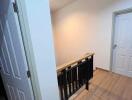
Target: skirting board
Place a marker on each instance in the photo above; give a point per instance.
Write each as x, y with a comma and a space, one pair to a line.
98, 68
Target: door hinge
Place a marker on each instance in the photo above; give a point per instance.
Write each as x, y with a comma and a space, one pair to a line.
28, 74
15, 7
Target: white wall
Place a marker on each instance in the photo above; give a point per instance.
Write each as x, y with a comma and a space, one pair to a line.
86, 26
39, 19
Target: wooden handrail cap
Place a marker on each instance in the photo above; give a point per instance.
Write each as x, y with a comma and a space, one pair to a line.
66, 65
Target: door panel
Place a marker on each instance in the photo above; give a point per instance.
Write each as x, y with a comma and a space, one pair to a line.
12, 56
122, 54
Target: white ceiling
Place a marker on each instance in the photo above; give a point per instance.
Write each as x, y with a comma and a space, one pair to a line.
57, 4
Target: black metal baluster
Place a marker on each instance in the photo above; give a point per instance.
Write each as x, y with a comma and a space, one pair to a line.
77, 85
60, 83
69, 80
84, 70
87, 73
80, 74
72, 80
65, 84
91, 60
76, 82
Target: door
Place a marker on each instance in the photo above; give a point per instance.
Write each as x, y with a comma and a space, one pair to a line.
13, 62
122, 48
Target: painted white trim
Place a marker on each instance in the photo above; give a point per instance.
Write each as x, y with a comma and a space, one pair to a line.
28, 48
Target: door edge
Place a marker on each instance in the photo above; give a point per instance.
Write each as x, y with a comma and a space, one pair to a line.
28, 48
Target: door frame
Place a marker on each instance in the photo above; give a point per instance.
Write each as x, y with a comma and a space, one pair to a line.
24, 26
114, 14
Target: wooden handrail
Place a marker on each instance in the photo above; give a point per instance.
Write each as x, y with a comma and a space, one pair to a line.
66, 65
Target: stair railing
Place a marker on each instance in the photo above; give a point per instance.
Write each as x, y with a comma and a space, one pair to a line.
75, 74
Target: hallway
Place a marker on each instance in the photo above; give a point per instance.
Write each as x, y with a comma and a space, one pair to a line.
108, 86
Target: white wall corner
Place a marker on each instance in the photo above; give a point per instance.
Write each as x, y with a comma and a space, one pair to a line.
39, 19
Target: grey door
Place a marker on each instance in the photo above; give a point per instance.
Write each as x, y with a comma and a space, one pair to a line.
122, 54
13, 62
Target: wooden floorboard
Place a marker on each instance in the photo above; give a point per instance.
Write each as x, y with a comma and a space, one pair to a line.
107, 86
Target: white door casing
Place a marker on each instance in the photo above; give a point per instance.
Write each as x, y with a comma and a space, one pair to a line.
12, 55
122, 48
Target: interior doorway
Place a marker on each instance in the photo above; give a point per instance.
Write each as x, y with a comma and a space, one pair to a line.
122, 43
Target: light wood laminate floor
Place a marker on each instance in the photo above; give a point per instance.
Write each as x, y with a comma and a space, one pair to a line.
107, 86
